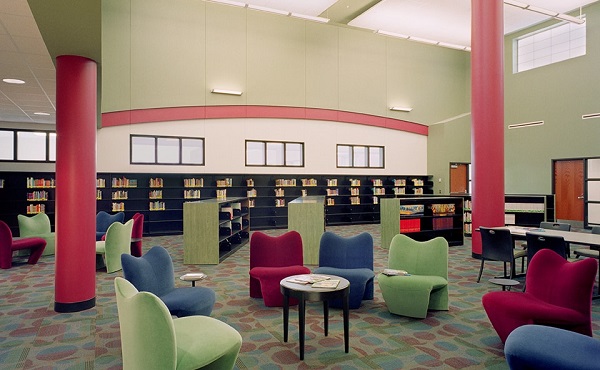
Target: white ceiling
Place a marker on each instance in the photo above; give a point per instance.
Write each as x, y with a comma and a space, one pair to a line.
24, 56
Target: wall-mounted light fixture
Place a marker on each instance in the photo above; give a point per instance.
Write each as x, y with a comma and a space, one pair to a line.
13, 81
525, 124
401, 109
226, 92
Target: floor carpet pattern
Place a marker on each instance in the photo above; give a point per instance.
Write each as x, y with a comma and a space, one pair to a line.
36, 337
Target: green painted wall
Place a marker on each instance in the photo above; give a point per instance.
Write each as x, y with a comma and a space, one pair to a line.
558, 94
165, 54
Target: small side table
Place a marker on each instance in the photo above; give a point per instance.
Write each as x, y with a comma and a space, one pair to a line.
193, 277
506, 283
306, 292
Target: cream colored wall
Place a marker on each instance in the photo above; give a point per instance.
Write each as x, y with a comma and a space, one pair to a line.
173, 53
405, 153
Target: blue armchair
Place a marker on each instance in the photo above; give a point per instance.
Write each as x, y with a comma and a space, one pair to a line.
544, 347
352, 259
153, 272
104, 220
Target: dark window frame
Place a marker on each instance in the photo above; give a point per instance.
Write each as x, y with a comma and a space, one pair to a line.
180, 160
16, 146
265, 142
352, 161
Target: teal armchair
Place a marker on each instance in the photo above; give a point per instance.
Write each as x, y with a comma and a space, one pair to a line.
117, 242
426, 288
38, 226
152, 339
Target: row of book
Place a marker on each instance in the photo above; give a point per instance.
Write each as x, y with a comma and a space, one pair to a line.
193, 183
38, 195
155, 194
156, 183
40, 183
410, 225
124, 183
120, 194
191, 194
36, 208
157, 206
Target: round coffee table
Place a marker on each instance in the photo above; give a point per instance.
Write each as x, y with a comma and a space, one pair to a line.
504, 282
305, 292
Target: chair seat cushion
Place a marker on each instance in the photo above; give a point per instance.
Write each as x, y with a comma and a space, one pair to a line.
414, 282
353, 275
518, 304
28, 242
101, 247
196, 351
274, 273
189, 301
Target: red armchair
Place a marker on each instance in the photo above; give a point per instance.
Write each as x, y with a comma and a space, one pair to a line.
136, 234
558, 294
8, 246
273, 258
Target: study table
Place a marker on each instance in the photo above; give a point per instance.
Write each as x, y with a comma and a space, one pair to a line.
589, 239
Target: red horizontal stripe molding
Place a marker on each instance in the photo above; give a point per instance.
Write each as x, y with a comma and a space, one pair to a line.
256, 111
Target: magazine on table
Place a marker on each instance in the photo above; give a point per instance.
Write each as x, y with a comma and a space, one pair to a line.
308, 279
326, 284
393, 272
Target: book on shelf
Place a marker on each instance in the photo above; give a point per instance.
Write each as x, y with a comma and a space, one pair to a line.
308, 279
394, 272
327, 284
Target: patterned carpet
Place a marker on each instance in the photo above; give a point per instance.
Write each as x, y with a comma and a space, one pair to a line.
35, 337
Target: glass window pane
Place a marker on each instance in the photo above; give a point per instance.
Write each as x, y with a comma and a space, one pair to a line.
167, 150
255, 153
376, 157
52, 148
192, 151
31, 146
143, 149
360, 156
275, 154
7, 145
344, 155
293, 154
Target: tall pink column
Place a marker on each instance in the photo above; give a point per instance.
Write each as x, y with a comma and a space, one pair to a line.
487, 111
75, 279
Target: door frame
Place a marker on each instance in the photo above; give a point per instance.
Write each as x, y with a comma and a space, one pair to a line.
584, 160
469, 182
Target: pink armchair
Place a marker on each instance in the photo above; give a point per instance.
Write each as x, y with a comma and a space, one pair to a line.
558, 294
136, 234
273, 258
8, 245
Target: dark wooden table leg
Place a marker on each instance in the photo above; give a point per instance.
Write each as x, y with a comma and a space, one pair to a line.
346, 323
301, 315
286, 316
326, 316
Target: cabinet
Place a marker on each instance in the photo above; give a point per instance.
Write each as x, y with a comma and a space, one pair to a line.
214, 228
519, 209
422, 218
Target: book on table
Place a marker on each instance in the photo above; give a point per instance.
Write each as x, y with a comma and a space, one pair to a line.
326, 284
194, 276
394, 272
308, 279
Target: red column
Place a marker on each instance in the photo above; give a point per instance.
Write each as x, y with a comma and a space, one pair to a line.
75, 279
487, 111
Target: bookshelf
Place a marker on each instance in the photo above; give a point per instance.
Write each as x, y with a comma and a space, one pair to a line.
214, 228
349, 199
422, 218
519, 209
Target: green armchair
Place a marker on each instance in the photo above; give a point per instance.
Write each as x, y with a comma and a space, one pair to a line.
38, 226
117, 242
427, 285
152, 339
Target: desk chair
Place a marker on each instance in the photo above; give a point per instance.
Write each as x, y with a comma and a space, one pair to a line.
497, 245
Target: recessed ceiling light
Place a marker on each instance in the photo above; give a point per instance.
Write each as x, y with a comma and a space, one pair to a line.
13, 81
41, 114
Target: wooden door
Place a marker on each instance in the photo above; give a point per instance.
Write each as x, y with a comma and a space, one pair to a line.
568, 189
459, 178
